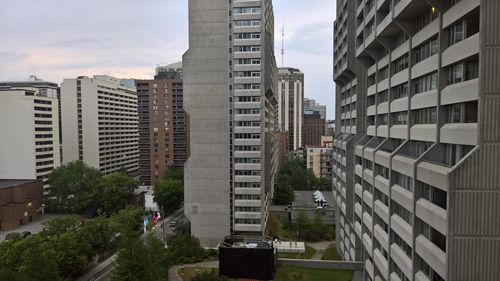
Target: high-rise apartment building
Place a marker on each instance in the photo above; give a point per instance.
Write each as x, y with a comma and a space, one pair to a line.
100, 124
163, 125
29, 144
229, 94
311, 104
417, 147
314, 128
290, 99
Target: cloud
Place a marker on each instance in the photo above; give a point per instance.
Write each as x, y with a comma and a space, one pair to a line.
80, 42
6, 57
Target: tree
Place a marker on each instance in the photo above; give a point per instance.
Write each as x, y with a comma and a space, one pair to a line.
184, 249
72, 179
96, 238
128, 221
113, 192
274, 226
173, 173
283, 193
169, 194
318, 228
141, 260
72, 259
58, 226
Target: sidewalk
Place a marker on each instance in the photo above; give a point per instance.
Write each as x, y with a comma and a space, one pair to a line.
34, 227
172, 272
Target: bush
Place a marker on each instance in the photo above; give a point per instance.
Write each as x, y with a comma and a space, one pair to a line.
208, 276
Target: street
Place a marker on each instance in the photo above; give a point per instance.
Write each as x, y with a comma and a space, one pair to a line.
34, 227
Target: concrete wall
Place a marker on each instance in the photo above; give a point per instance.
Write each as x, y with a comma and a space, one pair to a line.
333, 265
207, 190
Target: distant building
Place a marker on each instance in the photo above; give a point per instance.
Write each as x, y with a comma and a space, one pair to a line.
330, 128
100, 124
314, 128
29, 147
282, 149
163, 126
20, 202
311, 104
326, 141
290, 99
319, 159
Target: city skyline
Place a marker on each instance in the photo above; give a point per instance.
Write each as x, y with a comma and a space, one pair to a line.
123, 45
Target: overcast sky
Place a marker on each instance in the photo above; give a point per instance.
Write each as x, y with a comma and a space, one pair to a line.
56, 39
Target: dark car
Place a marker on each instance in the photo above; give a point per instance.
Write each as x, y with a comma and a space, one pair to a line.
25, 234
12, 235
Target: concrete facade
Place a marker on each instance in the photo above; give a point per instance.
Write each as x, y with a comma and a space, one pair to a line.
290, 99
29, 149
314, 128
100, 124
229, 89
318, 159
415, 184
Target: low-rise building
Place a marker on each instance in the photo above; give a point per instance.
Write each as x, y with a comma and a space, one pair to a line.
20, 202
318, 159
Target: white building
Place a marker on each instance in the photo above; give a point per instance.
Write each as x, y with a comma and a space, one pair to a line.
100, 124
290, 99
318, 159
29, 144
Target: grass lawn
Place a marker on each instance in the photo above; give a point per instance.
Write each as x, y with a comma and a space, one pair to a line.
307, 255
331, 254
289, 273
187, 273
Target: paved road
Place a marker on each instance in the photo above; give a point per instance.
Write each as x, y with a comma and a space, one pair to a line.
103, 271
33, 227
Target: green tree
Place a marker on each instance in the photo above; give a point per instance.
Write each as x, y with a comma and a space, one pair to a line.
318, 228
141, 260
274, 226
96, 238
59, 226
72, 180
184, 249
72, 259
169, 194
113, 192
173, 173
283, 193
128, 221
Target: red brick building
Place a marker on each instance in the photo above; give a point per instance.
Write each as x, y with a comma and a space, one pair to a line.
20, 202
314, 128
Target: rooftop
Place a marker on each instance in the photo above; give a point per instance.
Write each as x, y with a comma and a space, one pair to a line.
246, 242
6, 183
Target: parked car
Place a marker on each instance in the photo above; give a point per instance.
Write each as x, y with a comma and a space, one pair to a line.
12, 235
25, 234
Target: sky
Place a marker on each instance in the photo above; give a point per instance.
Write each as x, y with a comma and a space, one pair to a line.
57, 39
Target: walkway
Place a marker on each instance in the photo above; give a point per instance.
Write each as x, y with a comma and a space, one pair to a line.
172, 272
320, 248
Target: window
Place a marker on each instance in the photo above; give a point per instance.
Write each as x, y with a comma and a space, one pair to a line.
247, 10
434, 195
400, 118
402, 244
247, 221
425, 116
462, 112
247, 197
246, 23
399, 91
434, 236
400, 64
427, 17
455, 152
425, 83
456, 33
382, 171
426, 49
382, 97
463, 71
402, 180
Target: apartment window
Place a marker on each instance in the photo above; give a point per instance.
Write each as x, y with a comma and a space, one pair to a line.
400, 118
401, 244
382, 197
456, 33
383, 73
399, 91
462, 112
401, 38
247, 10
434, 195
382, 119
247, 209
455, 152
434, 236
382, 171
247, 184
425, 116
402, 180
402, 212
246, 23
247, 221
247, 36
247, 173
383, 96
431, 274
426, 49
400, 64
425, 83
399, 272
247, 197
426, 18
463, 71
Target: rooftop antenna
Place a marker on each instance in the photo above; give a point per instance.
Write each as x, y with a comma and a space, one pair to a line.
283, 45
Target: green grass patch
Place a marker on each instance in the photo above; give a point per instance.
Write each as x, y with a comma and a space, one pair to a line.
293, 273
187, 273
305, 256
331, 254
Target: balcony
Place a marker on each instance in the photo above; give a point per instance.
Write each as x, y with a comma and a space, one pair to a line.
367, 220
400, 77
420, 276
458, 10
359, 150
248, 227
371, 110
399, 131
425, 33
358, 190
367, 242
460, 92
357, 209
371, 90
382, 184
432, 254
459, 133
402, 260
381, 263
368, 175
426, 66
383, 108
461, 50
247, 166
425, 99
432, 214
381, 210
401, 50
368, 153
358, 170
247, 215
383, 26
381, 236
370, 130
368, 198
383, 131
383, 158
247, 178
383, 85
403, 196
424, 132
357, 229
433, 174
369, 268
402, 228
247, 203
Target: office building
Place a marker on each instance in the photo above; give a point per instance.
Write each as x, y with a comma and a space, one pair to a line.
330, 128
290, 99
163, 139
319, 160
313, 105
100, 124
20, 202
29, 145
229, 94
314, 128
417, 148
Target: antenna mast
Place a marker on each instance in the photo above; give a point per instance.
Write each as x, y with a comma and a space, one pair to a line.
283, 45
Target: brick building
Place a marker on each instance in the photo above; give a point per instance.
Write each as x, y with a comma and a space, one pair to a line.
20, 202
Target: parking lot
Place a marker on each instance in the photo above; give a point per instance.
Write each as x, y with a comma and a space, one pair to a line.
33, 227
305, 198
